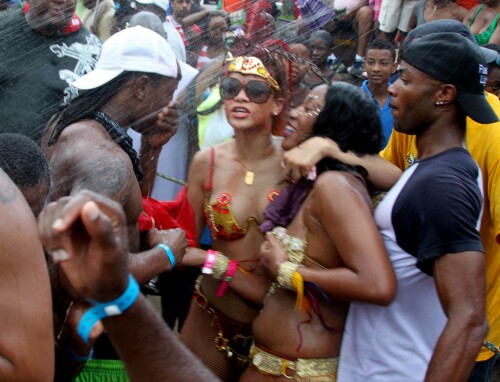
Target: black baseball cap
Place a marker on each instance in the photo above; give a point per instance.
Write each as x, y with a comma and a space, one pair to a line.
452, 26
453, 59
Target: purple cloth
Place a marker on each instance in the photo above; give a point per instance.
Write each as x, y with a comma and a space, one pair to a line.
286, 205
314, 13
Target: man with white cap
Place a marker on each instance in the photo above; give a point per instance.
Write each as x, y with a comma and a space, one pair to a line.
88, 147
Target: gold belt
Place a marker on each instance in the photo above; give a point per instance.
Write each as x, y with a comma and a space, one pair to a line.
269, 363
235, 347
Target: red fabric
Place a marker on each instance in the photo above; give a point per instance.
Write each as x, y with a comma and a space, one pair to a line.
233, 5
172, 214
195, 28
74, 24
467, 3
256, 20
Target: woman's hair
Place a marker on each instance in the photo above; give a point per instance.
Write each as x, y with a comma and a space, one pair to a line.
274, 66
351, 119
323, 35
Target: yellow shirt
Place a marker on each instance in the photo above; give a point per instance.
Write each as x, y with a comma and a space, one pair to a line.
483, 143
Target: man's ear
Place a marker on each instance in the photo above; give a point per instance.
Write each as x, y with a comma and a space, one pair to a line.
446, 94
141, 87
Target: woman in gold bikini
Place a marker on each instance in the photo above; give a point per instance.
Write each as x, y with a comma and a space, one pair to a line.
228, 187
329, 254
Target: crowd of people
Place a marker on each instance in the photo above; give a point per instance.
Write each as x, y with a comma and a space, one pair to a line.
305, 211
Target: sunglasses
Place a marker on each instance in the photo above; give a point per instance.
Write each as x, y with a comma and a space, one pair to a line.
256, 91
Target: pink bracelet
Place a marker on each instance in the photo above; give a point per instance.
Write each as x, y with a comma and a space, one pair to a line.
208, 266
231, 270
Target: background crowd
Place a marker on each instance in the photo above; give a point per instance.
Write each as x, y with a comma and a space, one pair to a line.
305, 190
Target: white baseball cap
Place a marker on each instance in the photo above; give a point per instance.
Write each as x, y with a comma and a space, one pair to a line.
163, 4
135, 49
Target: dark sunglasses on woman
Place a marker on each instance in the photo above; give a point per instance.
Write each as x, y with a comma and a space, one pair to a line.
256, 91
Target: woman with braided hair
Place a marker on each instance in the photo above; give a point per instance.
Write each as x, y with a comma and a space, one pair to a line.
202, 101
313, 250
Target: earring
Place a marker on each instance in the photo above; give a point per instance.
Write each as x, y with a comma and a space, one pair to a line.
275, 114
439, 103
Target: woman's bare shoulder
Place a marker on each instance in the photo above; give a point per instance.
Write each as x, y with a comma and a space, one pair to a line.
340, 187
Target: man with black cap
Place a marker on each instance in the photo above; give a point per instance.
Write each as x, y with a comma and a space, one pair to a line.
483, 143
429, 221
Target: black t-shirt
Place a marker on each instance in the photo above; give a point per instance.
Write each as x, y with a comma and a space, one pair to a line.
36, 70
434, 209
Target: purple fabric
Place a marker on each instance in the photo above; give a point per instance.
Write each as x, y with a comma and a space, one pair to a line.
315, 13
286, 205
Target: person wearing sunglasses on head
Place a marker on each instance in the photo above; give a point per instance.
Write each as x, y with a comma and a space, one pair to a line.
229, 186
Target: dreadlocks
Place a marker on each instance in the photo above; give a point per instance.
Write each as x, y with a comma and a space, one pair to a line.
85, 105
88, 106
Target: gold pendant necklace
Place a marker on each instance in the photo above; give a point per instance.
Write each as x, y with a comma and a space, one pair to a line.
249, 174
249, 177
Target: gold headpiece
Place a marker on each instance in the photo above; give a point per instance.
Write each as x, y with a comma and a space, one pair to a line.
252, 65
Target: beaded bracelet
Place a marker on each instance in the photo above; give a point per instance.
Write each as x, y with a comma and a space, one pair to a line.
108, 309
208, 266
231, 270
169, 253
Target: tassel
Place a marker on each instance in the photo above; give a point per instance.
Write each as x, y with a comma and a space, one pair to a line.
298, 286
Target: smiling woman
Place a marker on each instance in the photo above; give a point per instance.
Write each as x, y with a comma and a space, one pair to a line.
312, 248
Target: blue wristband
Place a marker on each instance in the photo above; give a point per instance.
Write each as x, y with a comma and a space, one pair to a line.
108, 309
169, 253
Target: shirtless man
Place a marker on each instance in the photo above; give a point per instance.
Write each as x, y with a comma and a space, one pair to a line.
88, 148
134, 80
98, 271
27, 342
